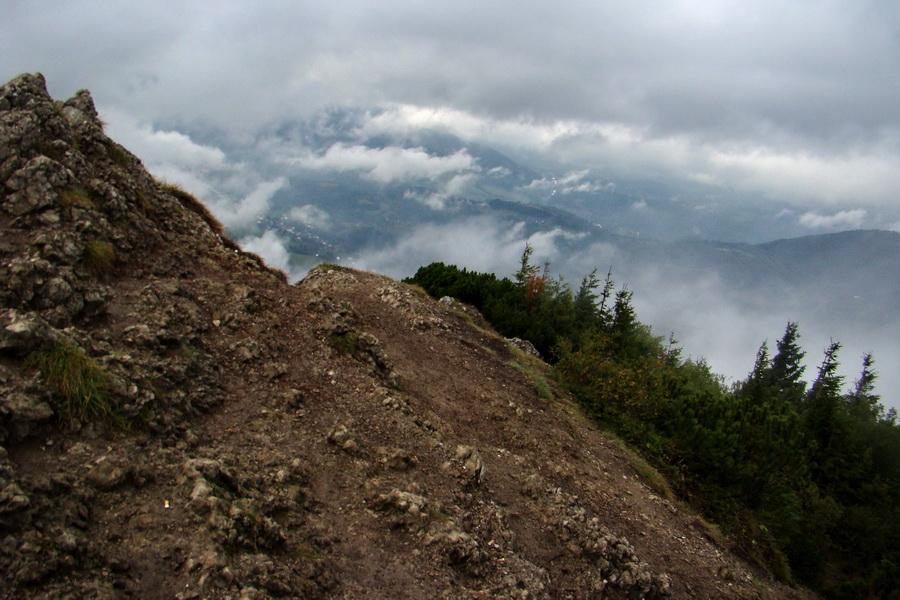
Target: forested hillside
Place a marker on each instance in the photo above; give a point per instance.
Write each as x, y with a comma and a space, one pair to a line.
802, 474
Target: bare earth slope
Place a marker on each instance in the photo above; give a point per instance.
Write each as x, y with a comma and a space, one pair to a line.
346, 437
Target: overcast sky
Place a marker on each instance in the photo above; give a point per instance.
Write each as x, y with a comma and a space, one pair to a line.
798, 100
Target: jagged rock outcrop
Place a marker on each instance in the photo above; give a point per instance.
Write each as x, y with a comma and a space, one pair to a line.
234, 436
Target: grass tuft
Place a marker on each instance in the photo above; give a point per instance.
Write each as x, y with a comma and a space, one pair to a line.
190, 202
329, 266
98, 257
76, 196
647, 472
80, 385
537, 379
118, 155
54, 151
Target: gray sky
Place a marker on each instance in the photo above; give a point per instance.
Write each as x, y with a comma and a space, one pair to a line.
798, 100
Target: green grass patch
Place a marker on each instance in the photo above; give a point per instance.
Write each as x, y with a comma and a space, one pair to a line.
327, 266
646, 471
539, 381
79, 384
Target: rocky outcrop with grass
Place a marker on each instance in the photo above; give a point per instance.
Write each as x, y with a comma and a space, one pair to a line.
177, 421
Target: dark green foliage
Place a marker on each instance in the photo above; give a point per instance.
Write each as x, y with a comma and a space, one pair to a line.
806, 480
535, 306
786, 369
346, 343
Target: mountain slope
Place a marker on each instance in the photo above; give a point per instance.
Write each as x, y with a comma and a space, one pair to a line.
345, 437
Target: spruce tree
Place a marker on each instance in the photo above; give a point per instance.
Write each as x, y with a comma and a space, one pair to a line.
785, 375
862, 402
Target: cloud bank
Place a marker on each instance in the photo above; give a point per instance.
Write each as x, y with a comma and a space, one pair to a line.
793, 100
390, 164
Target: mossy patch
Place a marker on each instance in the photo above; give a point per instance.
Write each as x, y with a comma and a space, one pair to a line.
346, 343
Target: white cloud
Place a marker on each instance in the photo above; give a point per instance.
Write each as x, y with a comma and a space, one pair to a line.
845, 219
570, 183
311, 216
480, 244
163, 147
386, 165
243, 212
777, 167
544, 242
270, 247
273, 251
438, 200
804, 176
640, 205
520, 131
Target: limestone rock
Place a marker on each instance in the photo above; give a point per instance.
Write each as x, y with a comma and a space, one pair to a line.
24, 332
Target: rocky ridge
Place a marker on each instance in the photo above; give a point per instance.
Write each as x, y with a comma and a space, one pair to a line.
344, 437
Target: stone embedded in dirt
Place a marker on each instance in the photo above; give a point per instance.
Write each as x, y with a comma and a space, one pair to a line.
473, 467
404, 509
22, 414
340, 437
399, 460
12, 499
24, 332
252, 529
525, 346
294, 397
461, 548
108, 475
534, 486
